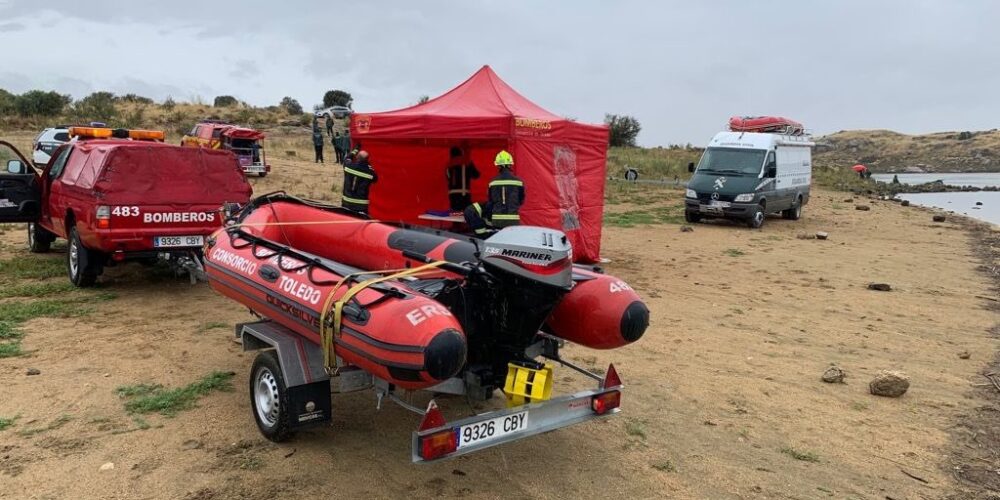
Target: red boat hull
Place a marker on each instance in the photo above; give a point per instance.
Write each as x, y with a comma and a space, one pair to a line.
600, 312
399, 335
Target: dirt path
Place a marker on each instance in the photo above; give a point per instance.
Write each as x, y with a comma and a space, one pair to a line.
723, 393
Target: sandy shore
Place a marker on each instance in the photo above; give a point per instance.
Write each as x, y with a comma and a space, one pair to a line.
723, 398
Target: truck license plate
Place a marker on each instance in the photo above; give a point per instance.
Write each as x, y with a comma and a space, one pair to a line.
491, 429
254, 169
178, 241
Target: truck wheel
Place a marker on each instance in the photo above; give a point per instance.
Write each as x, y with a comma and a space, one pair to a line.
692, 217
795, 211
756, 217
82, 263
269, 397
39, 240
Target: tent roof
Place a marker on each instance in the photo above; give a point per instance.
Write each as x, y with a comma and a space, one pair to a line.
484, 94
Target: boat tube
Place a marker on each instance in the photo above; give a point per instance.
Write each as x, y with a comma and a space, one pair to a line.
776, 124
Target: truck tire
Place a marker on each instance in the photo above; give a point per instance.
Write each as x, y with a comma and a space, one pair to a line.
269, 397
39, 240
795, 211
756, 219
692, 217
82, 263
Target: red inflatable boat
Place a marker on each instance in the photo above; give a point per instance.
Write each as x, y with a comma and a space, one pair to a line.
776, 124
283, 257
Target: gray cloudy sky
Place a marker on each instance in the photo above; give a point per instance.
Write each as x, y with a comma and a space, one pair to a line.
681, 68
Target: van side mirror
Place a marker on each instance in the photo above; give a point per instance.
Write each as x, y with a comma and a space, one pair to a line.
16, 167
691, 167
772, 171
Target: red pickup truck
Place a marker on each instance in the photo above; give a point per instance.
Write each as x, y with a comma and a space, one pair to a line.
120, 195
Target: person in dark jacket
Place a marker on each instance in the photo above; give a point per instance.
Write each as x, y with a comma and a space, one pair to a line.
460, 174
338, 147
329, 126
318, 144
506, 195
358, 178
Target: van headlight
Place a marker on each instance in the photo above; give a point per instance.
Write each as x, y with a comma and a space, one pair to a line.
743, 198
691, 193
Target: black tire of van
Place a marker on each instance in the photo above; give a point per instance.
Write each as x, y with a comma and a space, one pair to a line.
692, 217
261, 174
82, 263
757, 216
795, 211
39, 240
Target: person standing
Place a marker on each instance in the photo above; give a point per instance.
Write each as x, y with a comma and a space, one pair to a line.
338, 147
460, 174
329, 126
506, 193
358, 178
318, 144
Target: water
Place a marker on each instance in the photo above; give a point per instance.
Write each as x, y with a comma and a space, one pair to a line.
982, 179
960, 203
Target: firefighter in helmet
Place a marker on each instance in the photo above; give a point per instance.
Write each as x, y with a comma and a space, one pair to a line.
506, 195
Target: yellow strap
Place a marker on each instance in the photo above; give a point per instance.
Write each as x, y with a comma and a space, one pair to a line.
327, 335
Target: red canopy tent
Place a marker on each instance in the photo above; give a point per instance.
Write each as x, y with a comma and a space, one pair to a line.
562, 162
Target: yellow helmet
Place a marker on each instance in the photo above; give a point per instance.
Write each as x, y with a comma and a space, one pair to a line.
503, 159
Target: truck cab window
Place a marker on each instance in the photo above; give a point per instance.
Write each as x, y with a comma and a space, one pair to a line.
60, 163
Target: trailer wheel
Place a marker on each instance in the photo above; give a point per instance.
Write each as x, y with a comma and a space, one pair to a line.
756, 217
82, 263
39, 240
269, 397
795, 212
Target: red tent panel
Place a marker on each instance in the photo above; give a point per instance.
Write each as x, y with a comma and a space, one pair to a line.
561, 161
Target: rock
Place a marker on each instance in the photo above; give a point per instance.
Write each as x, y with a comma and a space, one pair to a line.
849, 200
890, 384
34, 371
964, 355
880, 287
108, 466
905, 203
978, 203
805, 236
687, 229
191, 444
939, 218
863, 208
822, 235
834, 375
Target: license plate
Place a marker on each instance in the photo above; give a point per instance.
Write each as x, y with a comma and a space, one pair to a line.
178, 241
254, 169
491, 429
710, 209
719, 204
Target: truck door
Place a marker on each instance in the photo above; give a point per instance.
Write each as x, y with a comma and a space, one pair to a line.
20, 195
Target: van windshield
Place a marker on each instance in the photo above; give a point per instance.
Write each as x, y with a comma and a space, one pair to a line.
732, 161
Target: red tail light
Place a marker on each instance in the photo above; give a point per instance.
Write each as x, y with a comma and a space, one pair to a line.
440, 443
103, 217
603, 403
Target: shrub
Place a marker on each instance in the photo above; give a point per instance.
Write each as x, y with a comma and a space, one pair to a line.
291, 106
225, 101
41, 103
99, 106
337, 98
623, 130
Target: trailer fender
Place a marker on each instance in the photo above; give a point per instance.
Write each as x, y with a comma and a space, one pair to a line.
301, 361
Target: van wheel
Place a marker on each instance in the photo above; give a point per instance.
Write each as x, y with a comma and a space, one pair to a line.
692, 217
269, 397
261, 174
39, 240
756, 217
795, 211
82, 263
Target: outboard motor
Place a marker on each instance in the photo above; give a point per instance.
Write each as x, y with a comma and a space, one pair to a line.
527, 271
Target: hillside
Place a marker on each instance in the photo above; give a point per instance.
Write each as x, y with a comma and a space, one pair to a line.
887, 151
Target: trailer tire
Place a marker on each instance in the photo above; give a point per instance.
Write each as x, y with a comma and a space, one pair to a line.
757, 216
269, 397
82, 264
39, 240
